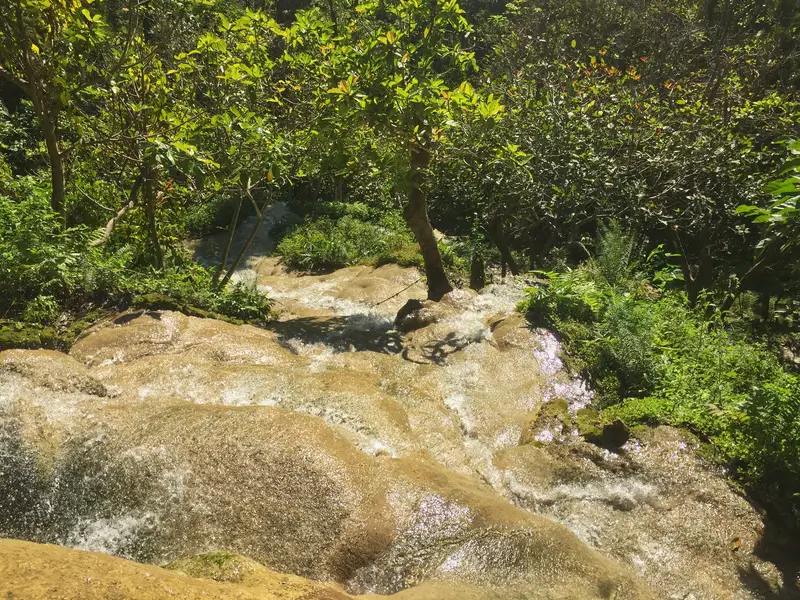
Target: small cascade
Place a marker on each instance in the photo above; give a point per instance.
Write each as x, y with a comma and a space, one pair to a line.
332, 446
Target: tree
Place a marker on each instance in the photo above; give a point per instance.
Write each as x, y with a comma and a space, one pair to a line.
140, 123
400, 69
780, 228
251, 146
43, 50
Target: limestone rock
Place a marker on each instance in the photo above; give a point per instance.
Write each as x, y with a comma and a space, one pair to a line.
42, 572
52, 370
417, 314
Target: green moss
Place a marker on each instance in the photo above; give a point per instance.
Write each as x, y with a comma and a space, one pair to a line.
607, 434
220, 566
163, 302
31, 336
590, 424
556, 410
14, 334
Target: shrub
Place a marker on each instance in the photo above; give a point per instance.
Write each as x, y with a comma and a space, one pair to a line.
608, 335
42, 309
325, 244
45, 271
207, 217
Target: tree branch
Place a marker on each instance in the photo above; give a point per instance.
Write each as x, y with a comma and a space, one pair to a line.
18, 81
121, 213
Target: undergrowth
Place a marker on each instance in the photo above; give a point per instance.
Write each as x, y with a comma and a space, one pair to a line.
652, 360
338, 235
52, 278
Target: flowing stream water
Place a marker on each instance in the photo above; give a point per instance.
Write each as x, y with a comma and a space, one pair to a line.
334, 447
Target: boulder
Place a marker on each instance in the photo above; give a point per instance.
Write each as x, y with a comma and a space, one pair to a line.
612, 435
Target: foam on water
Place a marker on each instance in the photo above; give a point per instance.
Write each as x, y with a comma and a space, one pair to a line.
620, 493
318, 296
574, 390
116, 535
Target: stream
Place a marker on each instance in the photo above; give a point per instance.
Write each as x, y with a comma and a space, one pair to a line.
440, 462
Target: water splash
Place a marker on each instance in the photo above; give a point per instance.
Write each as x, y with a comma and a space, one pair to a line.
119, 535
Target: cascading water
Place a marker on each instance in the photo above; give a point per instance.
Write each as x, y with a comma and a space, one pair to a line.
336, 448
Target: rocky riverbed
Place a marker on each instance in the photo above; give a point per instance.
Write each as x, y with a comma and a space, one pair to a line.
333, 455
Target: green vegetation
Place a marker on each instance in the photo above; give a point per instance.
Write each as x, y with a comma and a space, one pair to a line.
326, 244
52, 281
653, 359
336, 235
518, 130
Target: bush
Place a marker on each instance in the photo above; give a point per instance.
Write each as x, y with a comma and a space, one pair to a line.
42, 309
208, 217
608, 335
45, 272
325, 244
733, 393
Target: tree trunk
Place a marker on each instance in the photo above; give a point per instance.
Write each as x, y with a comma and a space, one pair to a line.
332, 11
247, 242
692, 291
231, 230
770, 255
477, 272
150, 213
697, 278
497, 234
56, 168
764, 308
112, 222
415, 214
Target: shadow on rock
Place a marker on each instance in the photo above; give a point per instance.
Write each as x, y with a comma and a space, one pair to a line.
778, 547
342, 334
436, 352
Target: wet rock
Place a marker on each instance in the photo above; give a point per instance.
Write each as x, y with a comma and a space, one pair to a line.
611, 435
52, 370
511, 331
132, 336
286, 490
43, 572
225, 567
162, 302
321, 448
352, 290
156, 478
220, 566
416, 314
547, 423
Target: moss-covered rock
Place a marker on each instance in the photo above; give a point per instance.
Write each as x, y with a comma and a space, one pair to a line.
32, 336
162, 302
226, 567
220, 566
14, 334
546, 423
611, 435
